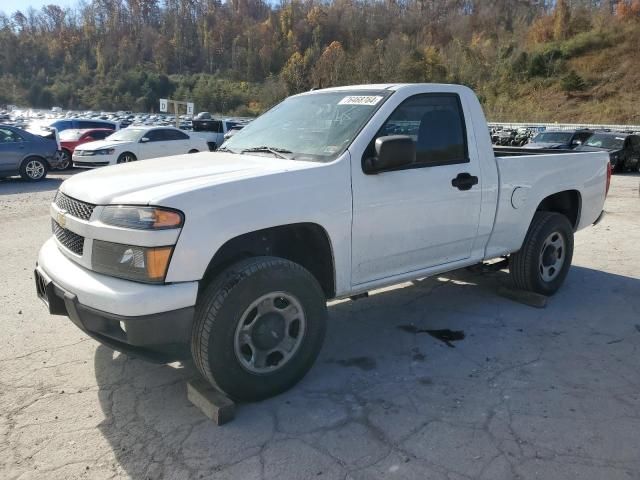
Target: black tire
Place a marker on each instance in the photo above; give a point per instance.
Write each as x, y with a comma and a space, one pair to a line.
531, 268
193, 151
34, 169
66, 162
126, 157
223, 305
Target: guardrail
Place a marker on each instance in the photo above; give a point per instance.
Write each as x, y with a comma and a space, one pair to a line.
566, 126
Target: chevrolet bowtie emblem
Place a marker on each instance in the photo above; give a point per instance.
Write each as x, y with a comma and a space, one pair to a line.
62, 218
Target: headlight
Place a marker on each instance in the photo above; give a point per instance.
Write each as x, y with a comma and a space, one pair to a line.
142, 264
104, 151
142, 218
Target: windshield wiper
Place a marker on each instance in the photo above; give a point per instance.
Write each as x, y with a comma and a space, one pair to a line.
225, 149
278, 152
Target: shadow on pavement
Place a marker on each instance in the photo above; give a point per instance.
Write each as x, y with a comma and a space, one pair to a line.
13, 185
378, 373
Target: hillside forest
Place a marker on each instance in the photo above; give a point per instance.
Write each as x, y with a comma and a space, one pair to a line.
528, 60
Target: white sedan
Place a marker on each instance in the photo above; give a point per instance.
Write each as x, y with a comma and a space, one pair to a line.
137, 143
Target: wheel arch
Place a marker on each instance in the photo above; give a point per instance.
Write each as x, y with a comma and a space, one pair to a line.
34, 155
567, 203
307, 244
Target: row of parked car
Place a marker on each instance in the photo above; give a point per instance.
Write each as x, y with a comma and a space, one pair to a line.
623, 147
95, 142
91, 143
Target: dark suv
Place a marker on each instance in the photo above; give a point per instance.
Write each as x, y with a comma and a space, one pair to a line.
559, 139
623, 149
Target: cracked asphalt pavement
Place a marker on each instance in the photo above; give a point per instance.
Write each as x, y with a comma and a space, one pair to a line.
528, 393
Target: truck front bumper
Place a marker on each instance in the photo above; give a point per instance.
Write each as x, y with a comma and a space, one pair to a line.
151, 321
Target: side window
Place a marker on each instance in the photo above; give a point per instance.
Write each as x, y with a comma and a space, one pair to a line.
9, 136
176, 135
100, 135
635, 141
580, 138
436, 123
156, 135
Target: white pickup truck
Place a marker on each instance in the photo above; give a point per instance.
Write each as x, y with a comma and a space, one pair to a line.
233, 254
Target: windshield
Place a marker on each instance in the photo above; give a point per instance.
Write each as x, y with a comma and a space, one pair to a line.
70, 135
126, 135
608, 142
553, 137
312, 127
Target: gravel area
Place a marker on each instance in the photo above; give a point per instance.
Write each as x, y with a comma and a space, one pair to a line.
528, 393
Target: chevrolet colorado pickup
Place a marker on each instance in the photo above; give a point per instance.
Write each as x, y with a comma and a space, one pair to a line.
233, 254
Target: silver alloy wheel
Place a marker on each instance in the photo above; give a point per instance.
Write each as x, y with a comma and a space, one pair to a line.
35, 169
64, 160
126, 158
269, 332
552, 256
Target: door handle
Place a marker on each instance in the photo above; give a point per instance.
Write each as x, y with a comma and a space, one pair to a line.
464, 181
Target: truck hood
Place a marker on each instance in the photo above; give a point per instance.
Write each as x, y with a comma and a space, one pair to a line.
152, 181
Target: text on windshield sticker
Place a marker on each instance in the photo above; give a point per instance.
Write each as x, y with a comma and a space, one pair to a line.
360, 100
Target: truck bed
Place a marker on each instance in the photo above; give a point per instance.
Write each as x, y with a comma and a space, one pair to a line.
526, 177
501, 151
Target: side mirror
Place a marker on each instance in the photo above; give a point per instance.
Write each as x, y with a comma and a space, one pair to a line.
392, 152
144, 139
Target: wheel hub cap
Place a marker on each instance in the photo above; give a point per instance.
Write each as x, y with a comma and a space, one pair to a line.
269, 332
34, 169
552, 256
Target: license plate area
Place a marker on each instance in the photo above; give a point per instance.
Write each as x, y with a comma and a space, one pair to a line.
52, 297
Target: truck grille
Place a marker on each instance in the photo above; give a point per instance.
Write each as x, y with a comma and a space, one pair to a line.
71, 241
74, 207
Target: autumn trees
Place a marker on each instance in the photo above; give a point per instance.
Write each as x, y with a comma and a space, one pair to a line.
244, 55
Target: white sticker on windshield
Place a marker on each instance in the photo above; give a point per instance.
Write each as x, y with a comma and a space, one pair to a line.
360, 100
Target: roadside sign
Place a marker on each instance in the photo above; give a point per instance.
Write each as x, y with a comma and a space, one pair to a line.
189, 108
163, 105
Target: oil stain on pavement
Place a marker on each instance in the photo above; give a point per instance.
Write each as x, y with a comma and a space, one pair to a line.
444, 335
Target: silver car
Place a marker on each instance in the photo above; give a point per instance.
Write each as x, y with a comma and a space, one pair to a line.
22, 153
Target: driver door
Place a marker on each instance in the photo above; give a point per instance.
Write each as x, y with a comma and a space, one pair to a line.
410, 219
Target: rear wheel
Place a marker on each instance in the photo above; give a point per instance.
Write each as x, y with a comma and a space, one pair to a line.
544, 260
193, 151
259, 327
34, 169
126, 157
64, 159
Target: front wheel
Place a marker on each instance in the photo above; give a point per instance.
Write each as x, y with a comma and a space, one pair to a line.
259, 327
543, 262
34, 169
193, 151
126, 157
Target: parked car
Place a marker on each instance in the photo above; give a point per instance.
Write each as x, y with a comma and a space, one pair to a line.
506, 137
25, 154
71, 139
211, 129
81, 124
137, 143
559, 139
623, 149
232, 255
233, 130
